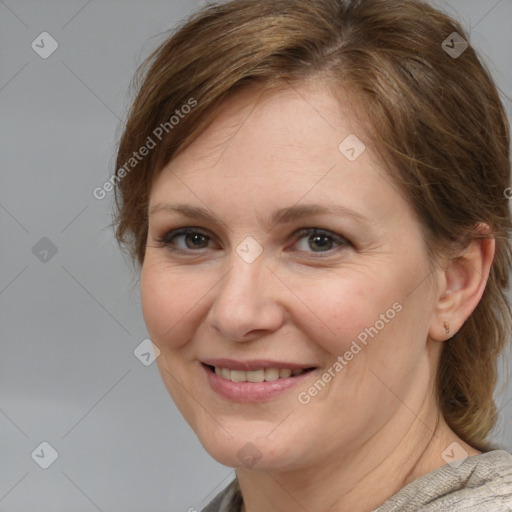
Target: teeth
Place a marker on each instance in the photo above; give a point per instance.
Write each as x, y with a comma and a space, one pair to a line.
271, 374
263, 375
255, 375
238, 376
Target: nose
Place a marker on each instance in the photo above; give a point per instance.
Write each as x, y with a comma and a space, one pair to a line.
246, 306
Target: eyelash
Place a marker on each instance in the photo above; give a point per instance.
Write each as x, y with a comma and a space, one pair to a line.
168, 239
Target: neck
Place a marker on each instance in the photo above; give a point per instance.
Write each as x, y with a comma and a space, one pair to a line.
405, 449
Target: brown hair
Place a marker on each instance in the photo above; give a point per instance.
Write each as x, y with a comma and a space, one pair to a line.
435, 120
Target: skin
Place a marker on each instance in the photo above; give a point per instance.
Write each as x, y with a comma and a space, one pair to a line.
376, 424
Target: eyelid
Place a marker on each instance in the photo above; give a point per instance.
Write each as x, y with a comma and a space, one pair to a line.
173, 233
319, 231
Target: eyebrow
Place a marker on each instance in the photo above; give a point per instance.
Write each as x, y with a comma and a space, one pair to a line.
299, 212
281, 216
193, 212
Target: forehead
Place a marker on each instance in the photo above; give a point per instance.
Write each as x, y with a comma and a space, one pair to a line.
269, 149
295, 122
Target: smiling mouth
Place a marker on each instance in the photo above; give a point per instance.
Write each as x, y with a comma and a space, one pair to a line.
261, 375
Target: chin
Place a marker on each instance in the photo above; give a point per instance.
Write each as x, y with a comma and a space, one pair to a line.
257, 452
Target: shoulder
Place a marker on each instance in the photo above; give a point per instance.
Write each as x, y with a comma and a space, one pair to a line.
480, 482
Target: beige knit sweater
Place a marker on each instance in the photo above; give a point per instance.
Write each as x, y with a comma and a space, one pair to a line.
481, 483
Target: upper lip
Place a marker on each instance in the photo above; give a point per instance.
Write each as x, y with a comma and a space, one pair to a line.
254, 364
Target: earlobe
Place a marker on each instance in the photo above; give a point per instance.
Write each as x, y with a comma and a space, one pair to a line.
462, 283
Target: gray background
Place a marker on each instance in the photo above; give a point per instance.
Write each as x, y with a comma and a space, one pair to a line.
69, 325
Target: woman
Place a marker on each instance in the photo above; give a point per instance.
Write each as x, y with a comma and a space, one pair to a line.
315, 192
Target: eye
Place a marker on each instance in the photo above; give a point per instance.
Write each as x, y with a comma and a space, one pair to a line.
319, 241
185, 239
309, 240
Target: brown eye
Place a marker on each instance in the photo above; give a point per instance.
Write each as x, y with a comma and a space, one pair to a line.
319, 241
195, 240
186, 239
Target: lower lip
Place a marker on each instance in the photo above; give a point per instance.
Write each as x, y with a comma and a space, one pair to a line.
252, 392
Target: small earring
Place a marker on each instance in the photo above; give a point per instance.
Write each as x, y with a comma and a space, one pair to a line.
447, 327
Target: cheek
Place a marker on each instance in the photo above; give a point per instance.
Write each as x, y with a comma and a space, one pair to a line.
170, 302
339, 310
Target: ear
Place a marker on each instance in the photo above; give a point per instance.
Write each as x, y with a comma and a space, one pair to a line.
461, 283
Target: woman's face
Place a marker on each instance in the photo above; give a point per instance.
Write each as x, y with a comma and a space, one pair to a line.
273, 248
